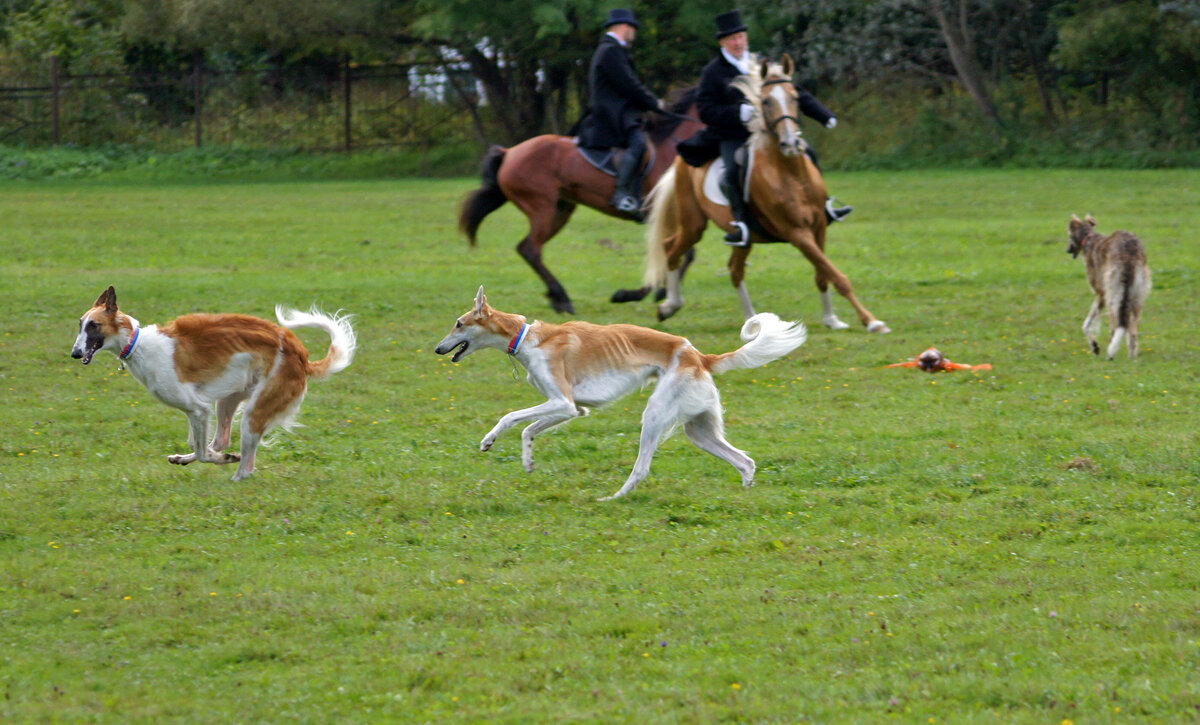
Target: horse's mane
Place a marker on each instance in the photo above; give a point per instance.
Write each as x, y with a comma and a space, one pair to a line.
751, 86
658, 126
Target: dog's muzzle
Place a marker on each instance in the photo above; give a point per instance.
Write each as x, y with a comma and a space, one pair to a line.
461, 348
89, 350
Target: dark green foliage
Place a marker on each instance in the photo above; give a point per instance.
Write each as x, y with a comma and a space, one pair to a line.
1092, 82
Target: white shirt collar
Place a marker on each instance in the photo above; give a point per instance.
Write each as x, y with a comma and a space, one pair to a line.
622, 42
742, 64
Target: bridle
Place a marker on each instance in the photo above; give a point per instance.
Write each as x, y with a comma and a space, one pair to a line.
787, 116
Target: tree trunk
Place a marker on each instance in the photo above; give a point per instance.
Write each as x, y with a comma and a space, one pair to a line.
1039, 74
499, 95
956, 32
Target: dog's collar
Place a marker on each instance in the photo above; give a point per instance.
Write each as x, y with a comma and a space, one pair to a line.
516, 341
137, 331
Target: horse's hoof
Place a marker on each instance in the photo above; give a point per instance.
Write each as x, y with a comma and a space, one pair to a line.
630, 295
879, 327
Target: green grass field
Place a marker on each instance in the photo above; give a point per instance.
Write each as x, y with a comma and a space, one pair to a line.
1013, 546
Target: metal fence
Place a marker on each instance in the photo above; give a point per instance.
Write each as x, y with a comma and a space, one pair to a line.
338, 106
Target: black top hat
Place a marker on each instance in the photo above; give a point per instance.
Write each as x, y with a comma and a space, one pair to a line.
621, 15
729, 23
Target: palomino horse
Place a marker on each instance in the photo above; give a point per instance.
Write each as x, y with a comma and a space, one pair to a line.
546, 177
786, 191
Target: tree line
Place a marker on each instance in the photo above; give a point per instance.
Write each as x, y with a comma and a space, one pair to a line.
1018, 64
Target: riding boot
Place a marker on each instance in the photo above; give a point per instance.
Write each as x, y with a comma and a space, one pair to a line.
836, 213
627, 199
740, 235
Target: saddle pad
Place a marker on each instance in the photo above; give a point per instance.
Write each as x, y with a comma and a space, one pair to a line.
716, 171
712, 183
603, 159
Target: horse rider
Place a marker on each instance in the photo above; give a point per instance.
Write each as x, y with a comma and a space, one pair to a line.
725, 111
618, 99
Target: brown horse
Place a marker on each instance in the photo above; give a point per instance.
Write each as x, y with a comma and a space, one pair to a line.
546, 177
787, 194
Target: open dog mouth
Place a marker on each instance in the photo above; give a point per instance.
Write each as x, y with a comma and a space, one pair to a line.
460, 350
90, 350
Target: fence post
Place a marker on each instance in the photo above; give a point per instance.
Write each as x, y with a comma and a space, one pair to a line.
54, 98
197, 60
346, 96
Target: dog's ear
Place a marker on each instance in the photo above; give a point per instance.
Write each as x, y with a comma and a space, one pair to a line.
107, 299
1075, 218
1090, 220
480, 303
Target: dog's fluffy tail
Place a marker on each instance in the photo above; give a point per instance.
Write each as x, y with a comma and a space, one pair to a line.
767, 338
1128, 287
342, 338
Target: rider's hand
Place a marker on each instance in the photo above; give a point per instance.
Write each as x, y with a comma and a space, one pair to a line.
747, 112
831, 123
662, 105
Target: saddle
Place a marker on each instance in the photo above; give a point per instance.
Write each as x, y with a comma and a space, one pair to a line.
714, 178
608, 159
715, 191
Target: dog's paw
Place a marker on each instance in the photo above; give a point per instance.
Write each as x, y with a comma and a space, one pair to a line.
528, 465
231, 457
181, 460
486, 443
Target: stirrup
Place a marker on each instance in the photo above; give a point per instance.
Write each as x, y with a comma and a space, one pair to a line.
627, 204
740, 236
836, 214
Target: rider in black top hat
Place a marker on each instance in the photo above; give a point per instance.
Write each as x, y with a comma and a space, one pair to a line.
618, 100
725, 111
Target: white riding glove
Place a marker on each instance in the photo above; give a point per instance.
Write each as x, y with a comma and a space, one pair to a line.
831, 123
747, 112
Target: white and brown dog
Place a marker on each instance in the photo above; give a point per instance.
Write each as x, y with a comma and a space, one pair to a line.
578, 364
198, 361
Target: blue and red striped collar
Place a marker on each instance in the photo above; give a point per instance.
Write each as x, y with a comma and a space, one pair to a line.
516, 341
137, 331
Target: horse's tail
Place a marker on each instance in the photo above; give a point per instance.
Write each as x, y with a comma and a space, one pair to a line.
487, 198
663, 222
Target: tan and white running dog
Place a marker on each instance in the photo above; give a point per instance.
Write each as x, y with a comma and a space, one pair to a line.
578, 364
198, 361
1117, 272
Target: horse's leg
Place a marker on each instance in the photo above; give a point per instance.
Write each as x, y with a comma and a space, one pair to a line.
639, 294
805, 241
544, 222
674, 296
737, 276
688, 257
828, 316
692, 221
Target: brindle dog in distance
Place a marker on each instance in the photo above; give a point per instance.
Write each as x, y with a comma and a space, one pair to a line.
1117, 271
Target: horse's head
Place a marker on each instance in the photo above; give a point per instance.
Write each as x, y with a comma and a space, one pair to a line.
780, 104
